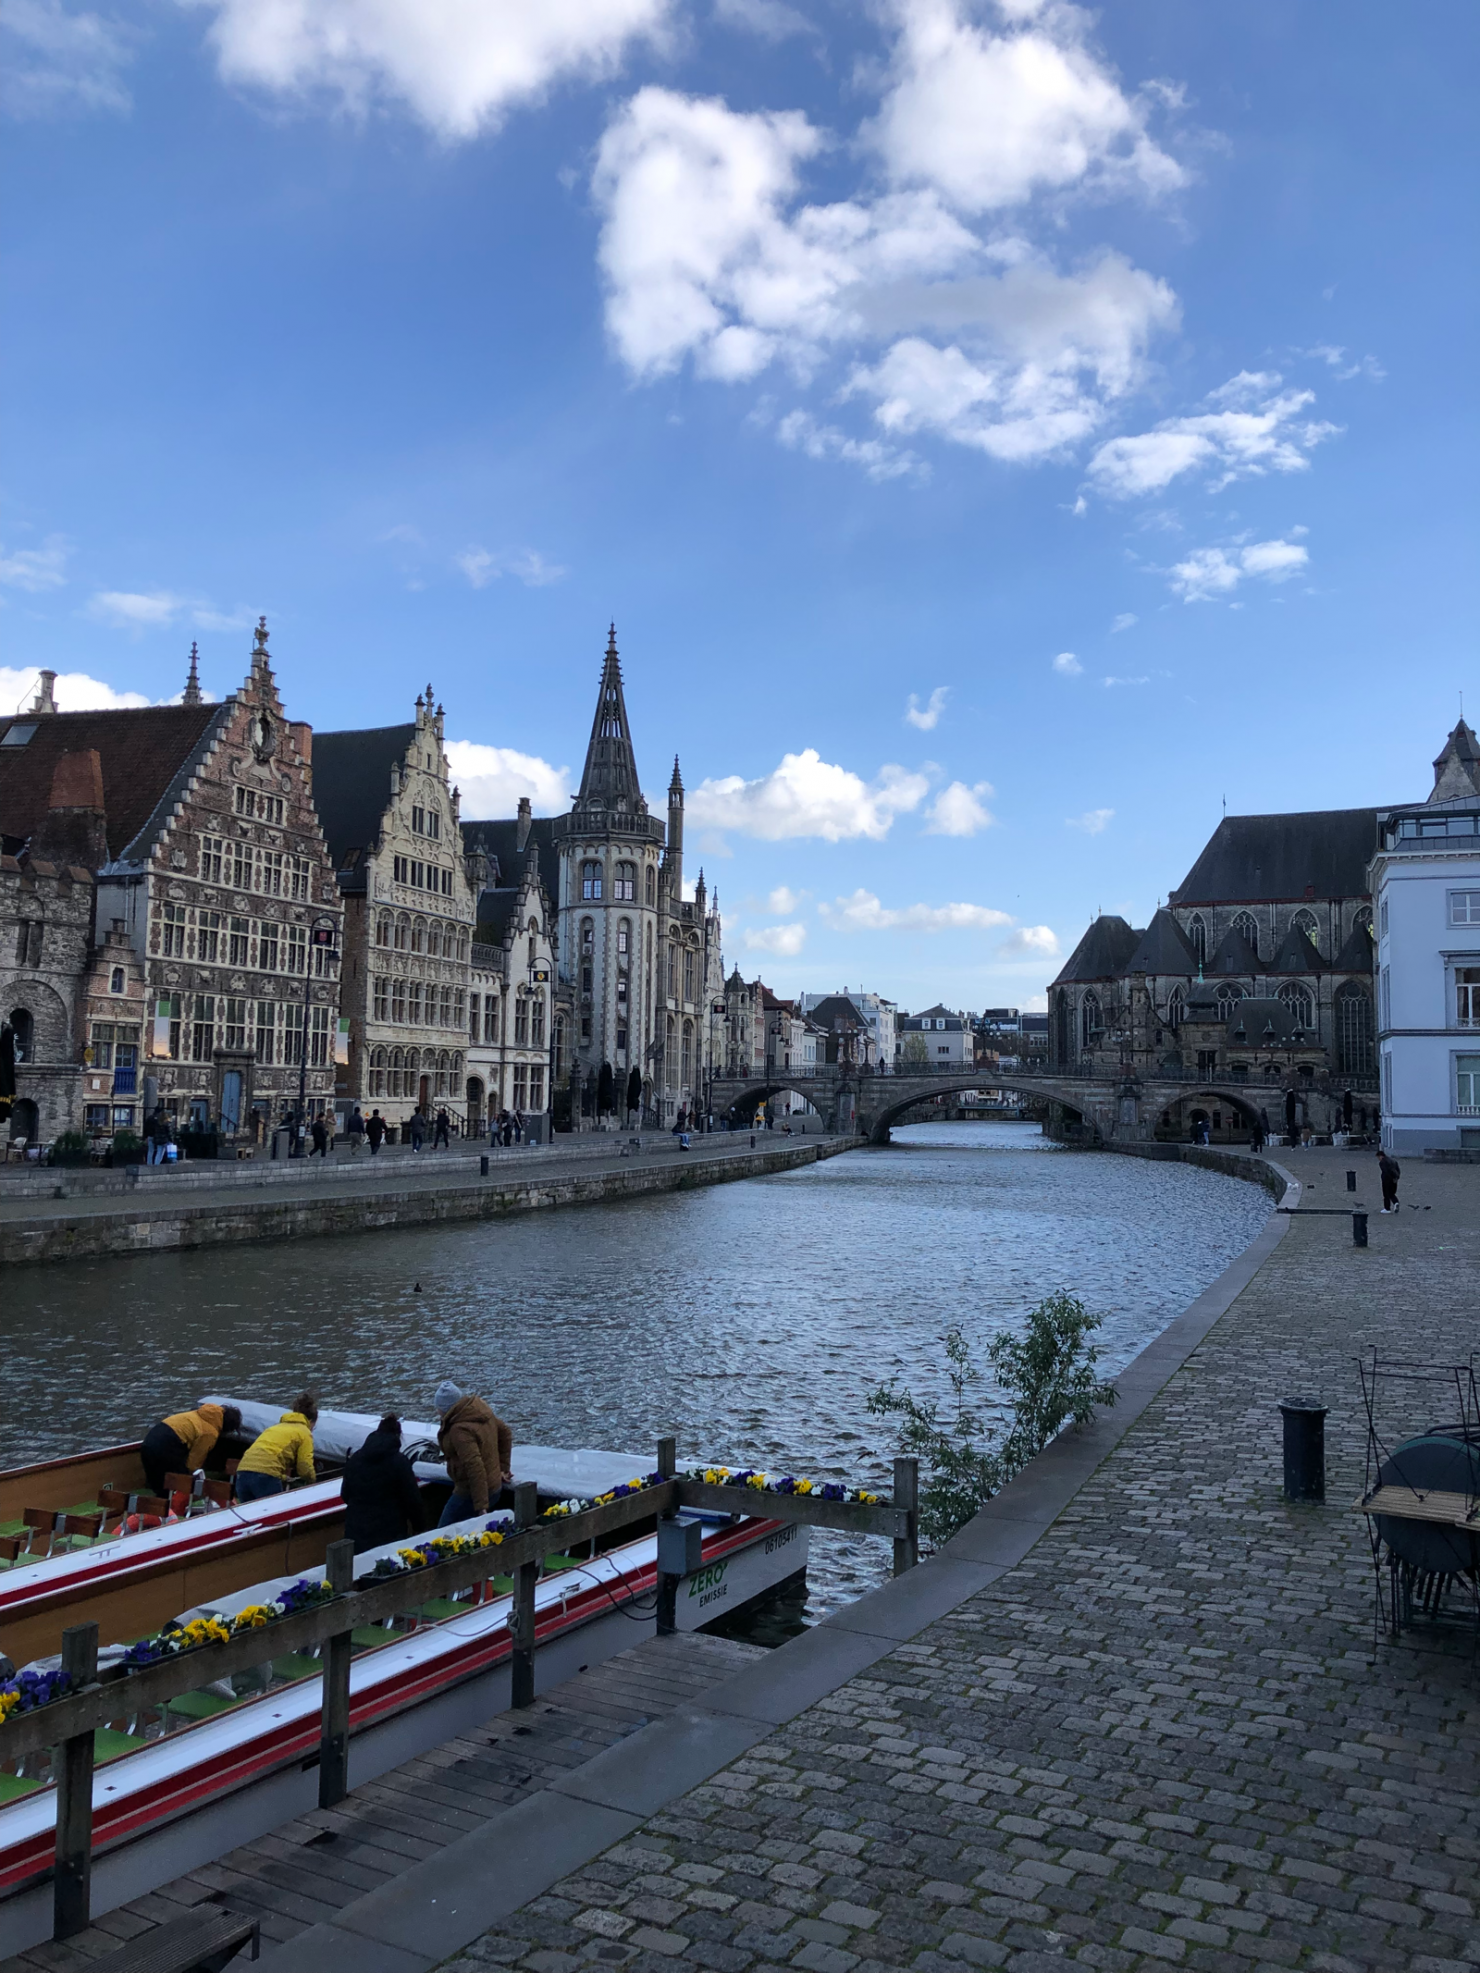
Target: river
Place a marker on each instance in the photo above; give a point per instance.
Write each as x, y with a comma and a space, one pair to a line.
750, 1319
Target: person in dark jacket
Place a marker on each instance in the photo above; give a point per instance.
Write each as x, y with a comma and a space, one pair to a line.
1389, 1171
382, 1502
320, 1139
375, 1131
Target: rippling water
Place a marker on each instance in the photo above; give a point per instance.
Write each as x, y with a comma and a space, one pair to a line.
751, 1319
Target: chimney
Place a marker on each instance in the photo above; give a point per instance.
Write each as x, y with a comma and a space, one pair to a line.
74, 828
302, 738
46, 693
526, 822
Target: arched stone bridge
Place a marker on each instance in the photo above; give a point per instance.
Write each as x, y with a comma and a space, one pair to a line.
1122, 1109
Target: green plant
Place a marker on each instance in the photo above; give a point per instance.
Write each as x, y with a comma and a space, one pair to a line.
70, 1147
128, 1149
1048, 1371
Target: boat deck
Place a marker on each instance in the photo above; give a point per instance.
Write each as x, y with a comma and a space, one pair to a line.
304, 1872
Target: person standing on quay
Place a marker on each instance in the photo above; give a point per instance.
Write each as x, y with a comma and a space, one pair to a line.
443, 1132
1391, 1172
320, 1139
478, 1448
418, 1130
375, 1131
355, 1131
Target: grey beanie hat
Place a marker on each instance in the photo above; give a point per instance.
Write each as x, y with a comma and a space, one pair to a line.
447, 1396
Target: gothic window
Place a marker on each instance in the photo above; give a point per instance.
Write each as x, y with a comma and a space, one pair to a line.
673, 972
626, 884
591, 882
1247, 927
381, 990
403, 932
383, 929
1197, 934
537, 1021
266, 1033
687, 1076
624, 938
1228, 998
688, 973
1363, 920
1354, 1050
1304, 922
650, 887
1090, 1019
521, 1022
1301, 1007
418, 935
534, 928
434, 940
377, 1073
1176, 1008
397, 1078
398, 1007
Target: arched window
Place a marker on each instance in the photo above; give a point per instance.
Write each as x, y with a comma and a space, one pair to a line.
396, 1083
1063, 1029
687, 1077
1354, 1050
1304, 922
1228, 998
383, 929
626, 884
403, 932
650, 887
116, 980
1247, 927
434, 940
418, 935
1301, 1007
534, 928
1363, 920
1090, 1019
1197, 935
1176, 1009
462, 943
377, 1072
591, 881
624, 940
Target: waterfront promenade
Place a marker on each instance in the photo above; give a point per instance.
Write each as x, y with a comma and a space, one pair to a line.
1130, 1719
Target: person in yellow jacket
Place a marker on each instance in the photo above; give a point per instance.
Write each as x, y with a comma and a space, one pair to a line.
184, 1441
283, 1452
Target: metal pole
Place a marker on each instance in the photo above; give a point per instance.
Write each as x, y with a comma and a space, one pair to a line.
907, 1496
667, 1584
521, 1621
339, 1572
72, 1885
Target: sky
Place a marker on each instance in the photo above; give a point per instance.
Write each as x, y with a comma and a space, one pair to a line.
1003, 434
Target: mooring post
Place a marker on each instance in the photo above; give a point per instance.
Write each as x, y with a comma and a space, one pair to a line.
1304, 1449
339, 1574
907, 1496
521, 1620
1359, 1229
1351, 1181
72, 1885
668, 1554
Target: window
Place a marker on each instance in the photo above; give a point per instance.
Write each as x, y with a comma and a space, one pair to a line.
270, 873
102, 1044
1354, 1053
208, 937
459, 1008
292, 1033
116, 980
688, 973
446, 882
1385, 998
267, 945
325, 960
1197, 934
536, 1088
380, 998
1247, 927
419, 821
234, 1029
172, 931
295, 957
169, 1027
1176, 1009
266, 1033
521, 1086
1467, 996
298, 878
259, 807
418, 875
434, 941
210, 859
521, 1022
1464, 908
434, 824
537, 1021
475, 1016
403, 932
413, 1003
624, 936
625, 889
1301, 1007
1304, 922
1228, 998
418, 935
586, 1027
687, 1058
586, 982
383, 929
650, 887
673, 972
590, 881
1452, 918
621, 1041
318, 1037
97, 1116
239, 941
398, 1003
203, 1028
1466, 1084
377, 1072
401, 869
243, 867
123, 1116
1090, 1020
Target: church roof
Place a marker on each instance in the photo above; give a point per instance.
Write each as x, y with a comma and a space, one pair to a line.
610, 774
1163, 949
1357, 954
1250, 858
1457, 770
146, 753
1102, 953
499, 841
1234, 956
352, 784
1298, 953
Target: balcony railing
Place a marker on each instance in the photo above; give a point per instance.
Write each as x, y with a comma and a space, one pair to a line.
126, 1081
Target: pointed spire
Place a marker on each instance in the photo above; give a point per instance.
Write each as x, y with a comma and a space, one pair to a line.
675, 786
610, 776
191, 696
1457, 770
260, 654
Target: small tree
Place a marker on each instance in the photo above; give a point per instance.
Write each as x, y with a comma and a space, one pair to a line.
634, 1091
1050, 1372
914, 1053
606, 1093
960, 1475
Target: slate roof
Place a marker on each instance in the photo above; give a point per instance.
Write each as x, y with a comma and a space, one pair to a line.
499, 842
1356, 956
610, 774
146, 753
1250, 858
1257, 1014
352, 784
1297, 954
1164, 948
836, 1009
1234, 955
495, 911
1102, 953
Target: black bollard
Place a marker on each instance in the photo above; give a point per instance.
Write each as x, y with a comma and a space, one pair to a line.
483, 1165
1359, 1229
1305, 1450
1351, 1181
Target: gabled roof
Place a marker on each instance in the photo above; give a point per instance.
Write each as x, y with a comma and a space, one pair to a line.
496, 909
1163, 949
352, 784
1457, 770
1102, 953
1234, 955
1356, 956
610, 774
499, 842
1257, 1016
1254, 858
837, 1010
1297, 954
146, 754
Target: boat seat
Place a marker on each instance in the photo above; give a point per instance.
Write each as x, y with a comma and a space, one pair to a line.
501, 1585
370, 1637
109, 1744
296, 1665
555, 1563
199, 1706
82, 1507
219, 1491
12, 1549
41, 1521
13, 1786
440, 1607
77, 1531
9, 1529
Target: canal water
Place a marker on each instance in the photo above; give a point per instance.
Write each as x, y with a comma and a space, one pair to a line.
751, 1319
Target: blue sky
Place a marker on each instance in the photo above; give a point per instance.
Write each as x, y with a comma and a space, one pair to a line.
1001, 433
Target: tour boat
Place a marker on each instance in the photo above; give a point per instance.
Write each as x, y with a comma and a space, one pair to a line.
172, 1792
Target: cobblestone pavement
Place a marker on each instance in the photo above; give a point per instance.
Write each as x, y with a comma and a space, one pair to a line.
1161, 1740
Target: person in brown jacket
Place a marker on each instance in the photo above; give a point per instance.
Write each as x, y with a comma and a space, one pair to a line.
478, 1447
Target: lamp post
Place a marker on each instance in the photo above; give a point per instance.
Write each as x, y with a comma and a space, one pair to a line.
320, 939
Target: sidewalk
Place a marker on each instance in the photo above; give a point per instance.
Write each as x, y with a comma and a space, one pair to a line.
1130, 1719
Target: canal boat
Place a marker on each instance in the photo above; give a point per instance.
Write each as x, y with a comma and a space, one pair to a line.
213, 1768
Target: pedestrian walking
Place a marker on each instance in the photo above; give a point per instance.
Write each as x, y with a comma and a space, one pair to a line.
375, 1131
443, 1133
320, 1139
418, 1130
355, 1131
164, 1136
1391, 1172
478, 1448
184, 1441
282, 1453
382, 1501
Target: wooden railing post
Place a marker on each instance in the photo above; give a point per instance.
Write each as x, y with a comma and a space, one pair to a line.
72, 1887
339, 1573
667, 1583
521, 1622
907, 1496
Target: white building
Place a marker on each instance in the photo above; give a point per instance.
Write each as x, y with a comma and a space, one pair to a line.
879, 1013
1425, 880
936, 1039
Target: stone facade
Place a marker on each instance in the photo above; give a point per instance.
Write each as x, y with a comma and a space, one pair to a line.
116, 1091
511, 1018
46, 915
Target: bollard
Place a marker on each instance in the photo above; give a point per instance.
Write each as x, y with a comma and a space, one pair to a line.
1351, 1181
1305, 1450
1359, 1229
483, 1166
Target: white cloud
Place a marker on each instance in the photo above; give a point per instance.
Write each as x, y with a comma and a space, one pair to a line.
1142, 679
1067, 665
1208, 573
1124, 621
1347, 368
772, 20
482, 566
927, 717
36, 569
992, 118
959, 810
808, 796
803, 433
493, 778
784, 901
862, 912
457, 65
126, 609
1037, 940
1094, 821
1252, 427
57, 61
74, 691
783, 941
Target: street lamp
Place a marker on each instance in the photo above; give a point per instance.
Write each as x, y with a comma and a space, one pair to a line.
320, 939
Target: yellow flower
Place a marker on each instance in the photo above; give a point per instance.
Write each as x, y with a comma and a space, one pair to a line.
804, 1486
412, 1557
8, 1703
253, 1617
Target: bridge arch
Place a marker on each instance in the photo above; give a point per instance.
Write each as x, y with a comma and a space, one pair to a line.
877, 1123
1242, 1100
752, 1094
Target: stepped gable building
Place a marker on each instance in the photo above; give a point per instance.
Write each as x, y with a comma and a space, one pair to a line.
1259, 968
208, 862
639, 965
390, 814
518, 1019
